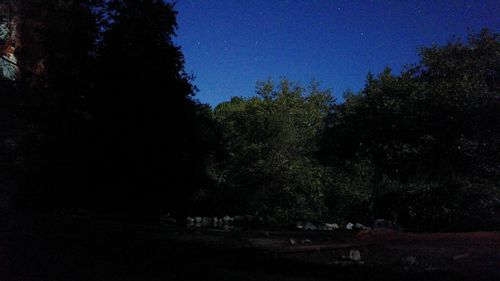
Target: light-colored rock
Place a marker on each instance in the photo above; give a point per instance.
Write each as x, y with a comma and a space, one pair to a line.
227, 220
299, 225
354, 255
189, 222
305, 241
349, 226
197, 219
292, 241
359, 226
310, 226
331, 226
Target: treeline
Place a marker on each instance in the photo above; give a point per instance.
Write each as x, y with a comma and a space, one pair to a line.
102, 116
421, 148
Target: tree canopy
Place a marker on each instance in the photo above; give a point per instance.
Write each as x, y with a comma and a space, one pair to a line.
270, 141
429, 135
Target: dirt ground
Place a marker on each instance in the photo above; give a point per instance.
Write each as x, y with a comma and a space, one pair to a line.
58, 248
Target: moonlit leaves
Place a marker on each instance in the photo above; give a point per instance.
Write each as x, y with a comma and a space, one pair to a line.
8, 69
4, 32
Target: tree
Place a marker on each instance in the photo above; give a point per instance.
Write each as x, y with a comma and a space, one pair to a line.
51, 42
428, 137
148, 144
270, 141
112, 120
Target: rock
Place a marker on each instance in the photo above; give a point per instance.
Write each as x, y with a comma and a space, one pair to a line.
305, 241
197, 225
457, 257
227, 220
215, 222
299, 225
331, 226
359, 226
349, 226
189, 222
197, 219
382, 223
410, 260
354, 255
227, 227
292, 241
310, 226
167, 219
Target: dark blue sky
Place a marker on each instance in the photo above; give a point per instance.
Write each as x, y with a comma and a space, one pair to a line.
230, 44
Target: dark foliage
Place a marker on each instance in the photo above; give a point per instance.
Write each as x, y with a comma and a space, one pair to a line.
114, 126
428, 138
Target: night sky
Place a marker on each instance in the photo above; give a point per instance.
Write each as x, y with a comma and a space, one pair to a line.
230, 44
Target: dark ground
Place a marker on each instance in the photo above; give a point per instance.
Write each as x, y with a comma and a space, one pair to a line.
57, 248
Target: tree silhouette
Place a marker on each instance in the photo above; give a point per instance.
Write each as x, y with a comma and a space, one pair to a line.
147, 136
113, 124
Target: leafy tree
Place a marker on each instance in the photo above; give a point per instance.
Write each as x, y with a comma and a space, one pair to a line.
429, 135
270, 141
